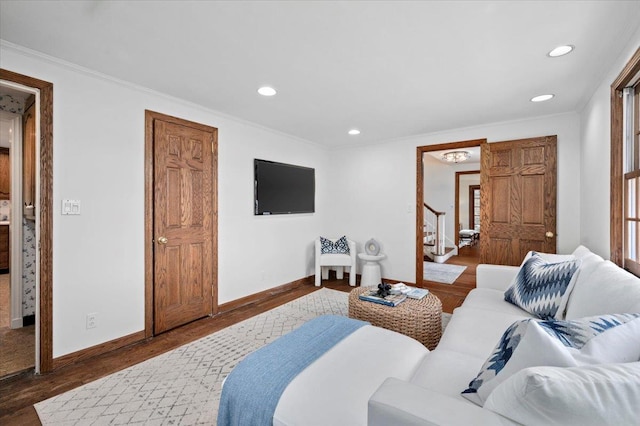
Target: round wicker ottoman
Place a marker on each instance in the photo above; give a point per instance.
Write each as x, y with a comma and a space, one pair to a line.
420, 319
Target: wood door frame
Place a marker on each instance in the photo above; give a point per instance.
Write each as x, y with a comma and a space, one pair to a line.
46, 212
456, 236
420, 150
472, 205
150, 117
617, 152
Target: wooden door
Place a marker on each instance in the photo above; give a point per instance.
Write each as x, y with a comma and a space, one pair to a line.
518, 199
184, 222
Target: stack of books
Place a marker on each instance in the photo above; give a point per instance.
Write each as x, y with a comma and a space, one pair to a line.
399, 293
390, 300
410, 292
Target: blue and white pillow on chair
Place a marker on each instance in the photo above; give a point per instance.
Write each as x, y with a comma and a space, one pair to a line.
341, 246
543, 288
604, 339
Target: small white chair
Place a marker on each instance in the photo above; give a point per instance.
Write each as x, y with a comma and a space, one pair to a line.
337, 262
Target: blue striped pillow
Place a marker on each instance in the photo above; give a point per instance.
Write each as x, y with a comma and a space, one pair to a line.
542, 288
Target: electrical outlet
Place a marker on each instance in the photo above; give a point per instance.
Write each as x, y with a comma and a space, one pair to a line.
92, 320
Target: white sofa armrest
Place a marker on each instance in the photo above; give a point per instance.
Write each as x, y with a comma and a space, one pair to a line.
497, 277
397, 402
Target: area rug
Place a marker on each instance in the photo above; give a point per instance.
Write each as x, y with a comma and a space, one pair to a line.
183, 386
442, 272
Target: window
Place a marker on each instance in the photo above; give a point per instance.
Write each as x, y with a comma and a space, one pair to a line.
631, 159
625, 167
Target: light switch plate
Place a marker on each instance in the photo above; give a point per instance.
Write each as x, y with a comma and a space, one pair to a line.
70, 207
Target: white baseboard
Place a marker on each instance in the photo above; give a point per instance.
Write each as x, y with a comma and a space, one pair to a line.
16, 323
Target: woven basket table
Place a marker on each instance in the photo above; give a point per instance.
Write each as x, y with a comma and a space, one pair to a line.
420, 319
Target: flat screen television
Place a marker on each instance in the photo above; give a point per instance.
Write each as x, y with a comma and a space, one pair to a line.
283, 188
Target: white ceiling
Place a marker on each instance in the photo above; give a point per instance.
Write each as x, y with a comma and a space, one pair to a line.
391, 69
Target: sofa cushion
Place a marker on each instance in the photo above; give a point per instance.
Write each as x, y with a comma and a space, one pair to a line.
446, 372
491, 300
604, 289
542, 288
474, 331
606, 394
340, 246
530, 343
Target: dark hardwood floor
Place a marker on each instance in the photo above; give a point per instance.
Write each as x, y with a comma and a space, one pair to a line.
19, 393
452, 295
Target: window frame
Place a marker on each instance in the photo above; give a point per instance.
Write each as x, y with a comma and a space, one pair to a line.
618, 184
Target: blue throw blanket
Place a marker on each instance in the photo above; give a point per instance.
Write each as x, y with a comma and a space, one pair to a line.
253, 388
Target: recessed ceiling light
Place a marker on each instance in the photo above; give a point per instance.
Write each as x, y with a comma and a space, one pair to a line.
561, 50
354, 132
267, 91
541, 98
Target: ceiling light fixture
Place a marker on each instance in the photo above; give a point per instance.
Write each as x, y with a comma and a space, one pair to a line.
542, 98
267, 91
561, 51
354, 132
456, 156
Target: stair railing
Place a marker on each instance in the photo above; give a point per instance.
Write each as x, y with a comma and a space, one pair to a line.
434, 224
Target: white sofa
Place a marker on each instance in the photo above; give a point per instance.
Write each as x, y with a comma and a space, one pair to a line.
379, 377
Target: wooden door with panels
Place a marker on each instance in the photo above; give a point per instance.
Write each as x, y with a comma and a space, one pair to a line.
518, 199
184, 221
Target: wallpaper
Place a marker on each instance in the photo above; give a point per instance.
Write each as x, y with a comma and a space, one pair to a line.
28, 267
11, 104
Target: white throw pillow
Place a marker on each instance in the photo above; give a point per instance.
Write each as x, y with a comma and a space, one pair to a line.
531, 343
581, 251
605, 394
550, 257
542, 288
604, 289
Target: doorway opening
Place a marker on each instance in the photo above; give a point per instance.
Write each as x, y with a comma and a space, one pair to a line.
437, 190
18, 227
467, 199
29, 214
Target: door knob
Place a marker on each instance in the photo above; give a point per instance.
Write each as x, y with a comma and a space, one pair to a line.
549, 234
162, 240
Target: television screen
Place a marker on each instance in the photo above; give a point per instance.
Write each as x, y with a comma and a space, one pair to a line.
283, 188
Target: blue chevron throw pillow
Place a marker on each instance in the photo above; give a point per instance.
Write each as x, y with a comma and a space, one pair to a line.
341, 246
542, 288
527, 343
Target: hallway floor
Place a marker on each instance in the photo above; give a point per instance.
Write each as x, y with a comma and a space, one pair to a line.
17, 347
452, 295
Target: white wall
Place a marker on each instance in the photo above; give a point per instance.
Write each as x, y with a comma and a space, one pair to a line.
374, 187
595, 133
98, 257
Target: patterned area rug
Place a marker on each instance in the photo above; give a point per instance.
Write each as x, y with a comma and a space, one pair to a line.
183, 386
442, 272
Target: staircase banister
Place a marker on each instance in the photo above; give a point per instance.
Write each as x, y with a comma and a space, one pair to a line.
431, 209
